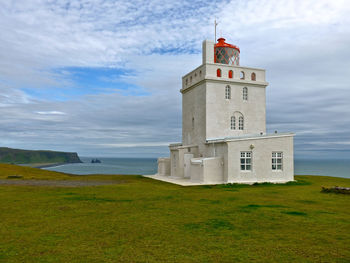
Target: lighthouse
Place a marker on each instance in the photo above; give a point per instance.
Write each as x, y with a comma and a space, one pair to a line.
224, 137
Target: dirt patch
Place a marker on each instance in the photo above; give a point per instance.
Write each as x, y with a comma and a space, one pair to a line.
63, 183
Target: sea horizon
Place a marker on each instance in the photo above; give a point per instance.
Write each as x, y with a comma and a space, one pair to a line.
148, 166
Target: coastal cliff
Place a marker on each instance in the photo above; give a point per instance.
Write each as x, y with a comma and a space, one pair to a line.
18, 156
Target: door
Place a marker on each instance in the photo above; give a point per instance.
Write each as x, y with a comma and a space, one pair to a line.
187, 164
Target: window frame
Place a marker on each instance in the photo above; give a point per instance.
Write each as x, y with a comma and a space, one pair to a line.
275, 157
218, 73
245, 94
228, 92
230, 74
242, 75
241, 123
253, 76
233, 123
245, 156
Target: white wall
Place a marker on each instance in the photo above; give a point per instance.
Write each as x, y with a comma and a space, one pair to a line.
219, 110
193, 106
164, 166
207, 170
261, 158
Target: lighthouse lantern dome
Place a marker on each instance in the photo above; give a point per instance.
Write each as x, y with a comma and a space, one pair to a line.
225, 53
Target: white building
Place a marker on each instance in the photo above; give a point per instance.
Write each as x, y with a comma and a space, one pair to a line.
224, 136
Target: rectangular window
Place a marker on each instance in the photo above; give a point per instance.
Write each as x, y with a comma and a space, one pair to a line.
277, 161
246, 161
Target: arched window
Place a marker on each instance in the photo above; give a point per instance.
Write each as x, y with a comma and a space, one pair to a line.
253, 76
233, 122
218, 72
245, 93
230, 74
228, 92
241, 123
242, 75
237, 117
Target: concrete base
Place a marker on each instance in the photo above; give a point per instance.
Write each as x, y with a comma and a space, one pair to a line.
188, 182
177, 180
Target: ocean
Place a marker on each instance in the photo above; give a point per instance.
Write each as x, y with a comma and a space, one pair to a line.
147, 166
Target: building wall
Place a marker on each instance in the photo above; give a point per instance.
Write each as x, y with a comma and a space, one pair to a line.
164, 166
177, 164
207, 170
219, 110
218, 150
193, 116
261, 160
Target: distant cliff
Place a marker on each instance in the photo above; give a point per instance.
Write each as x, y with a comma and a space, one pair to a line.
17, 156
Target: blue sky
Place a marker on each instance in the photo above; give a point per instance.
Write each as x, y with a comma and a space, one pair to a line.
102, 78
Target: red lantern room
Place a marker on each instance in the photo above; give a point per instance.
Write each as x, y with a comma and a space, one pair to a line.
226, 53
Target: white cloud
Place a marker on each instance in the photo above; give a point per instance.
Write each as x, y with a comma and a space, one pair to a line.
50, 113
302, 44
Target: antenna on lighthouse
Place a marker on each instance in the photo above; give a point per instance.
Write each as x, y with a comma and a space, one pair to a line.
215, 25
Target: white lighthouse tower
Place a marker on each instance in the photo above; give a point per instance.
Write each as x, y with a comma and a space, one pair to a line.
224, 136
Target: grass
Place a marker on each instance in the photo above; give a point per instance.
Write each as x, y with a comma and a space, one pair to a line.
142, 220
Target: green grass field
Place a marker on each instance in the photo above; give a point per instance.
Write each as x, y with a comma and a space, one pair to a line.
142, 220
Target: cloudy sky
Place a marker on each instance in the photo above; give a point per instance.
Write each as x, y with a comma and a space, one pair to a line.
102, 78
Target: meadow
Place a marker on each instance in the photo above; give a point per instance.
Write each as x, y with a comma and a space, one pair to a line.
142, 220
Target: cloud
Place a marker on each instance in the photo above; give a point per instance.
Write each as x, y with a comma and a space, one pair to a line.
54, 95
50, 112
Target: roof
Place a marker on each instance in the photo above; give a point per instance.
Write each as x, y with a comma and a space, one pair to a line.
222, 43
249, 137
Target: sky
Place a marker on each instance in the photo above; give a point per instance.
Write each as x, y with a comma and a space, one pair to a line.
102, 78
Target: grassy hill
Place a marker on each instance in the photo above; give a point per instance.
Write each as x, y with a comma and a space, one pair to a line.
17, 156
142, 220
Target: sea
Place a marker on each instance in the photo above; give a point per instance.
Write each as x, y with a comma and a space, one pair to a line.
148, 166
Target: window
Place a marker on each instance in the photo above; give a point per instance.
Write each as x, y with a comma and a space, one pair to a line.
253, 76
186, 81
245, 93
230, 74
242, 75
200, 73
218, 72
246, 161
233, 122
228, 92
190, 79
240, 123
277, 161
192, 123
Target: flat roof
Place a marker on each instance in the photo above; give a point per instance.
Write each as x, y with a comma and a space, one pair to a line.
249, 137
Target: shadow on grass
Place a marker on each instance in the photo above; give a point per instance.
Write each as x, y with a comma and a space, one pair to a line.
255, 206
294, 213
252, 207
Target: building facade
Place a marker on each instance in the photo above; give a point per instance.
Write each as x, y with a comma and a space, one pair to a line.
224, 136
